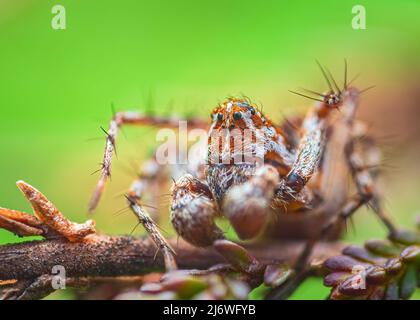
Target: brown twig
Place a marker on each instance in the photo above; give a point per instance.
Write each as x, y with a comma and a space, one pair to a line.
47, 220
124, 255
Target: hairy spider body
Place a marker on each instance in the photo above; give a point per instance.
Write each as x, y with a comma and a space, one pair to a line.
255, 169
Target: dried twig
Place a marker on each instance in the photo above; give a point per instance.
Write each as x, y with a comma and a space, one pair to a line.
47, 220
124, 255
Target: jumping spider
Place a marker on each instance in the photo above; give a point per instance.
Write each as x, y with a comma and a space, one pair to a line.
299, 162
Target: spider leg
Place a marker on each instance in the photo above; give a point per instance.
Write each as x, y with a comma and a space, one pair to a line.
247, 205
363, 160
363, 166
153, 176
147, 185
130, 118
193, 211
364, 176
309, 151
152, 229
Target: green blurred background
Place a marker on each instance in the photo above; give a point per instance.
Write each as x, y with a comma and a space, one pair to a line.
57, 86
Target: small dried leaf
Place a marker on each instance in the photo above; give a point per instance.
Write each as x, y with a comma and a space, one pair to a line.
363, 255
276, 275
343, 263
237, 256
382, 248
406, 237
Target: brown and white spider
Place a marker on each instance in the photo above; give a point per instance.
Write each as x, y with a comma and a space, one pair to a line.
305, 166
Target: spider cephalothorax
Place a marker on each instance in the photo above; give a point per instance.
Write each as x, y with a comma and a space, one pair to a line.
241, 139
255, 168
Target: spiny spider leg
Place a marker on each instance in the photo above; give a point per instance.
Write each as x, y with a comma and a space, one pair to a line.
308, 154
365, 179
152, 229
130, 118
148, 182
366, 186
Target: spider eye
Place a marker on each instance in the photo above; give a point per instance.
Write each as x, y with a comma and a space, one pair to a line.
237, 116
252, 111
220, 117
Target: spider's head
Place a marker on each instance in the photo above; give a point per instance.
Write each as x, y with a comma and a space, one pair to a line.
237, 132
237, 113
332, 99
